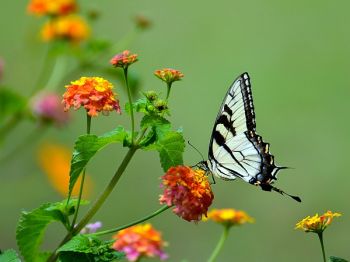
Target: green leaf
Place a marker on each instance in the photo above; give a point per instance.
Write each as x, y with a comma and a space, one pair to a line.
171, 147
336, 259
86, 147
9, 256
10, 103
155, 121
85, 246
32, 225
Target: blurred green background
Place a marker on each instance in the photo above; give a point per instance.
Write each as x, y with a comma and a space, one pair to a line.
298, 56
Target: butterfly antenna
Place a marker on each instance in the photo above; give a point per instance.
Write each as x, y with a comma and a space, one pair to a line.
296, 198
196, 150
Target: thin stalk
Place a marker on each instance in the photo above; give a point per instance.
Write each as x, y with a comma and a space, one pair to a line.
113, 230
88, 128
30, 139
130, 102
219, 245
11, 123
168, 91
320, 236
99, 202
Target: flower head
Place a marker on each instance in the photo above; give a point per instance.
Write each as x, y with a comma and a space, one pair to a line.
91, 228
317, 224
94, 93
229, 217
140, 241
52, 7
48, 108
169, 75
71, 27
123, 59
189, 190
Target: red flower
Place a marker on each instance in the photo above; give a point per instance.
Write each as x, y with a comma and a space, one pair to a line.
169, 75
52, 7
123, 59
189, 190
140, 241
94, 93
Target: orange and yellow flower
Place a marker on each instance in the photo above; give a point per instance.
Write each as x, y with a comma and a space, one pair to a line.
52, 7
123, 59
54, 160
95, 94
71, 27
169, 75
140, 241
317, 224
188, 190
229, 217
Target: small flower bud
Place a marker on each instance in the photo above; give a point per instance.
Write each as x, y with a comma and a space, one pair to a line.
151, 95
169, 75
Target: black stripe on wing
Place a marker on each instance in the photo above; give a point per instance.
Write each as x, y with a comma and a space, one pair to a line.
237, 104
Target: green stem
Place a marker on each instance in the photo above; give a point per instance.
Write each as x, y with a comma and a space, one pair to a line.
43, 71
88, 128
99, 202
320, 236
131, 106
168, 91
13, 121
113, 230
220, 244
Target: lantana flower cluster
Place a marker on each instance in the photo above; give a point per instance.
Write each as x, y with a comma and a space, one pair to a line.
123, 59
169, 75
140, 241
316, 223
188, 190
52, 7
95, 94
229, 217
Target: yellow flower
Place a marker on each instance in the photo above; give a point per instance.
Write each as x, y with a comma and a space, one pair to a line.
54, 160
317, 224
71, 27
229, 217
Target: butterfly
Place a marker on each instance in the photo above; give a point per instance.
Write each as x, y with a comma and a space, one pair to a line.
235, 149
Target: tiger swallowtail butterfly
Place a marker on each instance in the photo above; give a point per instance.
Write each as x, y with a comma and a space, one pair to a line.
235, 149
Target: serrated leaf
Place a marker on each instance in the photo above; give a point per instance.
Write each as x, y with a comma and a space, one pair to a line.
336, 259
171, 148
154, 121
10, 103
89, 246
32, 225
9, 256
86, 147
